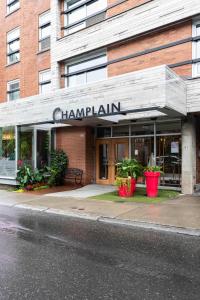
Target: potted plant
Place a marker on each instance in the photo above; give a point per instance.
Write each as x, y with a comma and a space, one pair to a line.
128, 171
152, 174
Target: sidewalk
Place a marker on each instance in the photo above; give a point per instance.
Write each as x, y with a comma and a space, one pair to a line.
182, 213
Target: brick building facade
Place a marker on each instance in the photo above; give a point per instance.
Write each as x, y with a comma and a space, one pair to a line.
85, 56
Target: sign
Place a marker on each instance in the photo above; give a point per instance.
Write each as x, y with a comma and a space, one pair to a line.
174, 147
90, 111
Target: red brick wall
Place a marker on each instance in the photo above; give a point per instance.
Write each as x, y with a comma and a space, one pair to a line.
77, 142
123, 6
30, 61
90, 154
170, 55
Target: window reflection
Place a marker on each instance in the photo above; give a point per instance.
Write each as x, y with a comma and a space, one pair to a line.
7, 151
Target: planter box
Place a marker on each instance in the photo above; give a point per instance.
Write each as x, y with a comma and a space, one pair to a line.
152, 179
125, 190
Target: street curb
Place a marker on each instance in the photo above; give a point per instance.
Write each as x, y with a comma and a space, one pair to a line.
108, 220
153, 226
35, 208
72, 214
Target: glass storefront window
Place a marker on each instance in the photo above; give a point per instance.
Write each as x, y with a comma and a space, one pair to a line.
30, 146
7, 152
142, 129
34, 146
142, 149
43, 142
25, 142
168, 127
120, 131
103, 132
162, 147
169, 158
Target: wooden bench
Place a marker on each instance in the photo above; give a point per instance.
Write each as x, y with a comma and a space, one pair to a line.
74, 173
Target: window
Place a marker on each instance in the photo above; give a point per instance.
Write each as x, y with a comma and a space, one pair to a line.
7, 152
44, 31
77, 13
44, 81
12, 5
196, 48
13, 91
13, 45
86, 71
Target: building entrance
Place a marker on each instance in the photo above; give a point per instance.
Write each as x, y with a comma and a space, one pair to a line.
151, 143
108, 153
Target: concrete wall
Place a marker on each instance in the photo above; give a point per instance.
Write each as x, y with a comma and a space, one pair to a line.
144, 89
188, 155
193, 95
198, 149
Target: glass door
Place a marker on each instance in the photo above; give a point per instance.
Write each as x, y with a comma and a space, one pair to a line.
119, 152
103, 159
108, 153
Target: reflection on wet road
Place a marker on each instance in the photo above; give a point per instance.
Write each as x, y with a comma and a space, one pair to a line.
45, 256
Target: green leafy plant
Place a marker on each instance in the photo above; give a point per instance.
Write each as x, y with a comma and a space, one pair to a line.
58, 167
121, 181
27, 176
153, 169
126, 170
129, 168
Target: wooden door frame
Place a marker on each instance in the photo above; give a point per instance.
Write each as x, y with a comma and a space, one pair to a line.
114, 142
99, 142
111, 157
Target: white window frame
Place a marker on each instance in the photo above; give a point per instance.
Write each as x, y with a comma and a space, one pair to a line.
10, 4
41, 26
85, 59
81, 23
195, 46
44, 82
9, 41
8, 89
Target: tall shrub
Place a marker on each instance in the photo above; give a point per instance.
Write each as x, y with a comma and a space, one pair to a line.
58, 167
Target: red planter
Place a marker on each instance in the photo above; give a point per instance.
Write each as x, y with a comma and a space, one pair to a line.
152, 183
126, 191
133, 185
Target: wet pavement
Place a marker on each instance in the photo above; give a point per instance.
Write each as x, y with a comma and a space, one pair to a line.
182, 212
45, 256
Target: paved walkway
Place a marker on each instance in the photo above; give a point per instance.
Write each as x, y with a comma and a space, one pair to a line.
85, 191
182, 212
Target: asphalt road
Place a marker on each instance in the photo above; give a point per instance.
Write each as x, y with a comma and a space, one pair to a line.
45, 256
